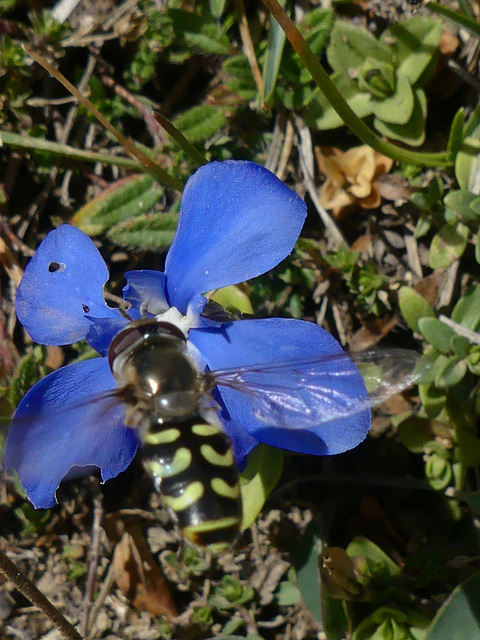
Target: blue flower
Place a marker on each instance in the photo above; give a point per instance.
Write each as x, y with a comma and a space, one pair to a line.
237, 221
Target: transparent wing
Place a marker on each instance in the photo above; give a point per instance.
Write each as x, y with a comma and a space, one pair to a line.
312, 391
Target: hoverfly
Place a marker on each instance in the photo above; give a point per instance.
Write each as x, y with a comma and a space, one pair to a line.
175, 407
170, 402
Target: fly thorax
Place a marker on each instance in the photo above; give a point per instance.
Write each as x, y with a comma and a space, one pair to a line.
149, 358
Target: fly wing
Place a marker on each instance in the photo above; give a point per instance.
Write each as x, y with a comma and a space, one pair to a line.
310, 392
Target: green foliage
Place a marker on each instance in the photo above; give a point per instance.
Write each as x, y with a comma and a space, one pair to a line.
201, 122
381, 77
33, 521
362, 280
257, 481
30, 370
458, 616
387, 623
231, 593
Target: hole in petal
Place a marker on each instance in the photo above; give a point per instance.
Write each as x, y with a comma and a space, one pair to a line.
56, 266
85, 308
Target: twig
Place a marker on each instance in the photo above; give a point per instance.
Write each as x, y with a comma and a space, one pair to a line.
92, 564
304, 137
460, 330
36, 597
106, 586
248, 47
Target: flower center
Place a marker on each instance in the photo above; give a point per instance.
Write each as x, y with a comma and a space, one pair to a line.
184, 323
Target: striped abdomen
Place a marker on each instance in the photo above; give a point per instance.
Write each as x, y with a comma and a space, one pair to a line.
193, 465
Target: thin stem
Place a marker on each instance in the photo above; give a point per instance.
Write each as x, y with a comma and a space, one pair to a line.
36, 597
19, 141
349, 117
162, 176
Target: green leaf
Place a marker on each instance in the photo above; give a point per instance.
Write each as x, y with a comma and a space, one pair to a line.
448, 245
233, 299
467, 309
455, 137
460, 201
387, 623
199, 32
415, 433
350, 46
287, 594
414, 43
437, 333
217, 7
460, 346
396, 109
413, 307
129, 197
261, 476
433, 399
413, 132
451, 373
201, 122
322, 116
151, 231
379, 563
273, 57
466, 163
459, 615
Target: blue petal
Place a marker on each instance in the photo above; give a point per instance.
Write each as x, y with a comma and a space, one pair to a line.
237, 221
58, 425
146, 287
63, 283
102, 331
304, 400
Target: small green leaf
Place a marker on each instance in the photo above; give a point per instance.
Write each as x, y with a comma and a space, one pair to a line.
233, 299
448, 245
379, 564
438, 472
467, 309
273, 57
322, 116
433, 399
436, 333
455, 137
463, 204
261, 476
458, 616
152, 232
200, 122
460, 346
287, 594
350, 46
413, 307
413, 42
451, 373
466, 163
415, 433
413, 132
398, 108
128, 197
217, 7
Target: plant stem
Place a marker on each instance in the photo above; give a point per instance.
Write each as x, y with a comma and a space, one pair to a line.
36, 597
160, 174
56, 148
349, 117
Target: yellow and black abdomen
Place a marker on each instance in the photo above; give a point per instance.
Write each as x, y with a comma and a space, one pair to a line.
193, 466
